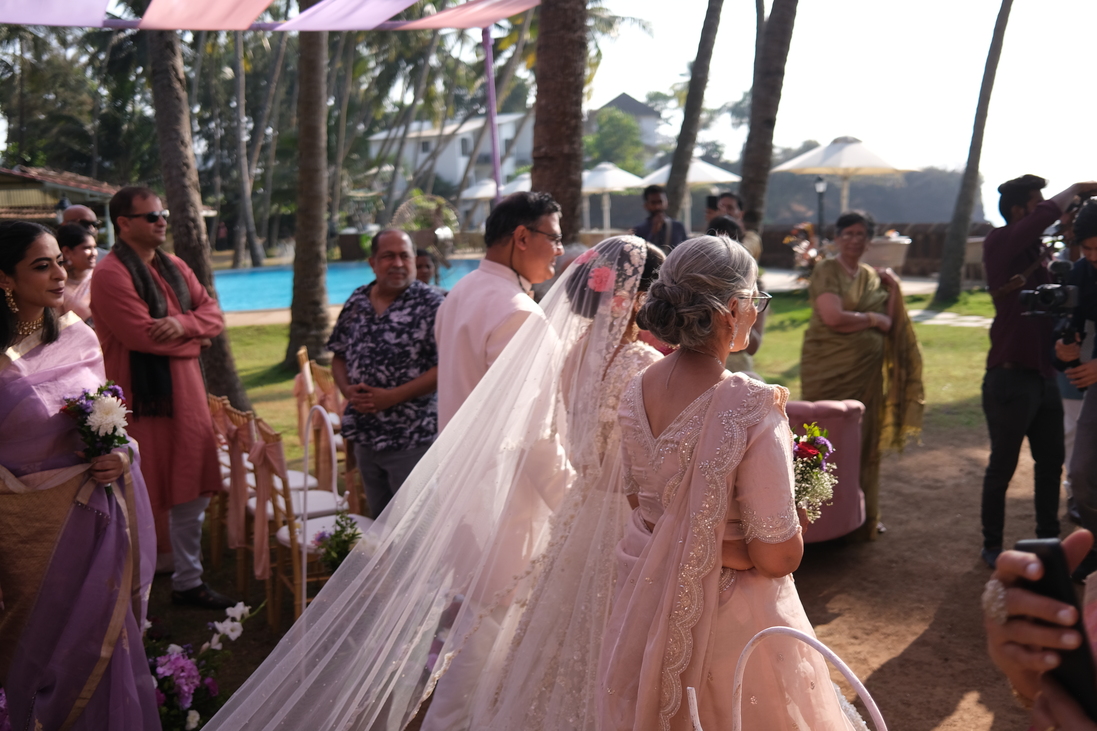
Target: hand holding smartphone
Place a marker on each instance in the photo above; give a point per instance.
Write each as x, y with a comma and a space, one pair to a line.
1076, 672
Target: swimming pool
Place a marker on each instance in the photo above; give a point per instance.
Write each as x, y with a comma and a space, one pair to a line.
271, 288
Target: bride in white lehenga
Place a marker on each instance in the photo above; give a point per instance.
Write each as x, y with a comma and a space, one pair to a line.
497, 520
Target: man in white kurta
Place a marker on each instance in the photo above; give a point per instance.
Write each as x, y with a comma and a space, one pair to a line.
487, 306
472, 328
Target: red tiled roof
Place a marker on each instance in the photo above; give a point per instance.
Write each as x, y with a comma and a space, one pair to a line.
56, 177
28, 213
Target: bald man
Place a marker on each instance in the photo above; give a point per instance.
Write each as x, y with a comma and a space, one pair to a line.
85, 217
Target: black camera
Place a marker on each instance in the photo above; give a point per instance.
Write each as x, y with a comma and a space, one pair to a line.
1056, 300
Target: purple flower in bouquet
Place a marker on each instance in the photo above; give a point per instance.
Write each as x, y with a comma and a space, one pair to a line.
211, 686
161, 699
814, 481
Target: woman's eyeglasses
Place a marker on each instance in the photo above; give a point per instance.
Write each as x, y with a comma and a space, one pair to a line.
151, 216
760, 299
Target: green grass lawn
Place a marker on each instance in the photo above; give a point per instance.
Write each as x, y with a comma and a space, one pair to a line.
953, 362
953, 357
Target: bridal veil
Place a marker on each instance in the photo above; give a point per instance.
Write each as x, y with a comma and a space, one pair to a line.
453, 563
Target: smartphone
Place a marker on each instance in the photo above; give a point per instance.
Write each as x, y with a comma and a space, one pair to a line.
1076, 672
712, 202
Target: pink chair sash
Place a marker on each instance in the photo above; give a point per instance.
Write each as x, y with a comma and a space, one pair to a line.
240, 441
269, 460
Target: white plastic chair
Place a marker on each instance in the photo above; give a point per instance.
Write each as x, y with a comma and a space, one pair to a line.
740, 669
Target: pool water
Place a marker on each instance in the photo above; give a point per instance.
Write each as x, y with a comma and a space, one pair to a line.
271, 288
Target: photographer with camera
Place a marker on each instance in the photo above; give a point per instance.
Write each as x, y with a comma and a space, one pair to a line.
1082, 469
1020, 394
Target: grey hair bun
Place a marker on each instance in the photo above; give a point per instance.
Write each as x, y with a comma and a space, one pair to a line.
698, 279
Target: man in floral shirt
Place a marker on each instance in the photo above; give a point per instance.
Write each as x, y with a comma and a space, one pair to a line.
386, 364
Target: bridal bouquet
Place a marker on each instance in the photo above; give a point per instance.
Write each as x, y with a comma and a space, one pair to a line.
101, 419
186, 685
814, 479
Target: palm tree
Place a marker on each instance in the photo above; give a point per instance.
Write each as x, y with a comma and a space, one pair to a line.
309, 321
180, 173
558, 111
245, 171
691, 115
952, 258
769, 77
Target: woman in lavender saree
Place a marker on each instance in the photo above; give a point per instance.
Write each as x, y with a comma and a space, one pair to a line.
76, 537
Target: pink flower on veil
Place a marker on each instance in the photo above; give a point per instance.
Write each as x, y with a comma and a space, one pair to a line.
601, 279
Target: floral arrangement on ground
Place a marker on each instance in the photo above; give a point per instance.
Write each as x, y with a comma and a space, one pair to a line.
814, 476
186, 681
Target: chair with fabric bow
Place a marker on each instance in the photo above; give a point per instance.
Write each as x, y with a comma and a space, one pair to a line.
290, 526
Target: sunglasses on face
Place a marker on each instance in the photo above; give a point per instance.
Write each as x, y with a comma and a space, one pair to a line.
151, 216
88, 225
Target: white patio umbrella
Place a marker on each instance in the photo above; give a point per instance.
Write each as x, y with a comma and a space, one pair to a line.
844, 157
483, 190
603, 178
699, 173
520, 184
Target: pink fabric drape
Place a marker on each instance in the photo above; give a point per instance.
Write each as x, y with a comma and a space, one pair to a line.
89, 13
347, 15
201, 14
240, 442
473, 14
269, 460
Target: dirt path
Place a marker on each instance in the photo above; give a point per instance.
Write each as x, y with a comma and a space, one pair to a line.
904, 611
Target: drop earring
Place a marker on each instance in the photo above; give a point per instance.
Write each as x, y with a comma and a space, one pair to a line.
11, 301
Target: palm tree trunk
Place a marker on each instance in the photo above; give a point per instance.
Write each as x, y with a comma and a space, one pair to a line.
420, 87
677, 188
309, 321
952, 257
765, 99
180, 172
246, 219
260, 129
558, 111
341, 135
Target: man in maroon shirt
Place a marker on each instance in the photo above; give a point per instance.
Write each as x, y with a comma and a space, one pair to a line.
1020, 393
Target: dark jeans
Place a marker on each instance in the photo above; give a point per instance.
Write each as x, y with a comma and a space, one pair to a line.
1083, 461
384, 472
1019, 404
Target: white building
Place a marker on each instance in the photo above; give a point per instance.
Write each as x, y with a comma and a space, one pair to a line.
423, 138
648, 118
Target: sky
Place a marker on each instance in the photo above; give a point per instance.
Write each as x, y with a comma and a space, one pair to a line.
902, 77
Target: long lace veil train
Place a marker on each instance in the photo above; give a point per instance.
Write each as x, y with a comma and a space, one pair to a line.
466, 532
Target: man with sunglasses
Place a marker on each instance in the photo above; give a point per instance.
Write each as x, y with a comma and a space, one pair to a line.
84, 216
485, 309
153, 319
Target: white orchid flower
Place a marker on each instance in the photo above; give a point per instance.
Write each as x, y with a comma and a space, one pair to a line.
175, 650
239, 612
215, 642
192, 720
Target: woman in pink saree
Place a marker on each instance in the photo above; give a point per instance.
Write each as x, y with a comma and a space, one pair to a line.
706, 559
75, 557
78, 246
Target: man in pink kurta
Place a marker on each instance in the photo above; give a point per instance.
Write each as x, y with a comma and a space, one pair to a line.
149, 337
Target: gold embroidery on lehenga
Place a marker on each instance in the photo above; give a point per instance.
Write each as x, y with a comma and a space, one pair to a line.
703, 553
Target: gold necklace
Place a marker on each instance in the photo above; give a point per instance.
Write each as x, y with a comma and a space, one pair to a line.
24, 329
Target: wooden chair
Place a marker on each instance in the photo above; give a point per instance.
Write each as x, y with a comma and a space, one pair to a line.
315, 385
289, 531
218, 504
239, 527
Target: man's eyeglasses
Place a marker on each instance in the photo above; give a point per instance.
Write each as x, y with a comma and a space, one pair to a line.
151, 216
760, 299
557, 239
88, 225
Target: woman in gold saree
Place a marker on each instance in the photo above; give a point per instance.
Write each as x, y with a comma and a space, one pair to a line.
76, 556
860, 344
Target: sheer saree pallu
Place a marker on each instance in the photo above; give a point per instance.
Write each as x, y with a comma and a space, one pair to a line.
680, 619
